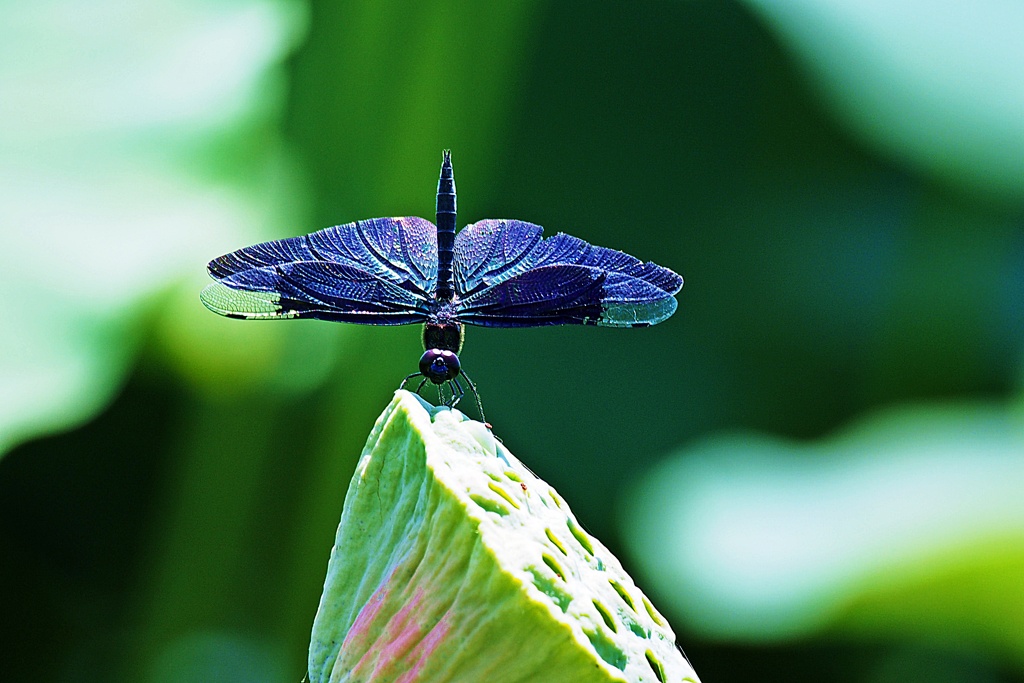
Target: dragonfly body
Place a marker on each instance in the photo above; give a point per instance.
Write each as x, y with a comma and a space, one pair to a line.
443, 334
395, 271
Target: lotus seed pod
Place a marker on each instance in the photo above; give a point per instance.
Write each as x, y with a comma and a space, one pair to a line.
454, 563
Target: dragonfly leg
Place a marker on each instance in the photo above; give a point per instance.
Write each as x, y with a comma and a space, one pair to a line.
457, 391
420, 386
409, 377
476, 395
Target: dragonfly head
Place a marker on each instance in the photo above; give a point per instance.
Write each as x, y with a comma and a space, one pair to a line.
439, 365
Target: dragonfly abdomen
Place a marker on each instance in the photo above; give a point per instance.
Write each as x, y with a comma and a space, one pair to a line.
446, 217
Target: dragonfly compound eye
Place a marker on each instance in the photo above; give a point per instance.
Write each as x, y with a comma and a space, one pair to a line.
439, 365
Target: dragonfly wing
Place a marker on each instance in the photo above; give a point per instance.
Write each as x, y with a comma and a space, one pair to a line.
568, 294
634, 302
562, 248
402, 251
315, 289
492, 251
507, 275
377, 272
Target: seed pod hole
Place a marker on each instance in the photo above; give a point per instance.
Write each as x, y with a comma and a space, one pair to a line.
635, 626
626, 597
656, 666
554, 539
489, 505
580, 536
606, 615
553, 566
606, 648
658, 619
547, 586
503, 493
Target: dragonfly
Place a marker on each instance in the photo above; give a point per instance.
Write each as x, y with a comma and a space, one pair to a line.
397, 271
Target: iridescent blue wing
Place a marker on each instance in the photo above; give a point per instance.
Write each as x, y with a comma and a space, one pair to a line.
377, 272
314, 289
568, 294
492, 251
506, 275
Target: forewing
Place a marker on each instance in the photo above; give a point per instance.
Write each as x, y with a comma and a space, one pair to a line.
568, 294
562, 248
492, 251
381, 271
401, 251
315, 289
506, 275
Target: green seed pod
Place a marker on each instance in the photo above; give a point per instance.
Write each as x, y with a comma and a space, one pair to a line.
454, 563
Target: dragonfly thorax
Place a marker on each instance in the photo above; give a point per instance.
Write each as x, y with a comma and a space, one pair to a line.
447, 336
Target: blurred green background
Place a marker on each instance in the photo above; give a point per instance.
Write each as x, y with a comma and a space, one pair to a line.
815, 468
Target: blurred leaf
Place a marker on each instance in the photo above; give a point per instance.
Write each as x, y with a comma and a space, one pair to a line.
228, 358
938, 86
384, 85
225, 657
108, 194
908, 525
